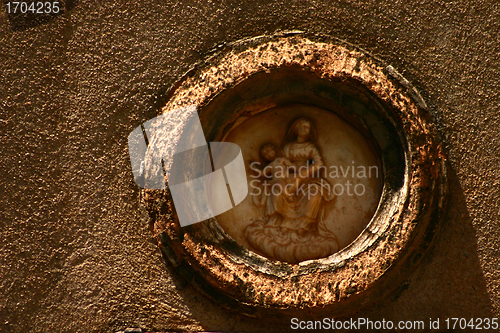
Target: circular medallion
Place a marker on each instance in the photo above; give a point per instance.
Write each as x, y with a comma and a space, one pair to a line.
346, 178
285, 212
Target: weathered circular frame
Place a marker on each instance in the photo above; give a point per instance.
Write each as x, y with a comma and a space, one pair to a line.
392, 244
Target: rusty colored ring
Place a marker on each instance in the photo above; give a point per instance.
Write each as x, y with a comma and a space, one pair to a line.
386, 251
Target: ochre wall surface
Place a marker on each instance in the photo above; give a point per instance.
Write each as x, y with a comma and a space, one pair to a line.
76, 254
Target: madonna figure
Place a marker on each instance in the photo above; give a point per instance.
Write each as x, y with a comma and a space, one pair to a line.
292, 228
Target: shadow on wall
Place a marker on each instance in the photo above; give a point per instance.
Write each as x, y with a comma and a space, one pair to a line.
35, 16
448, 283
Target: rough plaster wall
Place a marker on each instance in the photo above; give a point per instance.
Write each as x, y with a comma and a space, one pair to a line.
75, 251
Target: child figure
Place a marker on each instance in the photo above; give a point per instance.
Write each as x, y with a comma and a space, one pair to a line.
278, 169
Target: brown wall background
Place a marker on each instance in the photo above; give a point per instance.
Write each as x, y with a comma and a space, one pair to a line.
75, 251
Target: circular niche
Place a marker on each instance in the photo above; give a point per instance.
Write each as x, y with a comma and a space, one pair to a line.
283, 214
355, 145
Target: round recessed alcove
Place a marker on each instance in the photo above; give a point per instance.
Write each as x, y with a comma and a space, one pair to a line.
352, 142
284, 213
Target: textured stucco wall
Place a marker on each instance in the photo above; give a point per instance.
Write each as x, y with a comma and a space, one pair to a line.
75, 251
